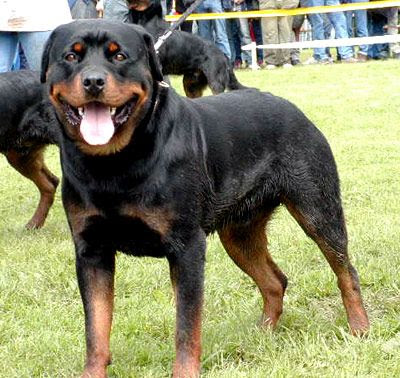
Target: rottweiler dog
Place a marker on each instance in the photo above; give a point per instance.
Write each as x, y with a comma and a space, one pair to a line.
25, 132
150, 173
200, 62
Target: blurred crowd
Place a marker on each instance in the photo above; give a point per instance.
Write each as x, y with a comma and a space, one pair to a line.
25, 25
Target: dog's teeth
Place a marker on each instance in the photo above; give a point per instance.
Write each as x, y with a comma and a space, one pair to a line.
113, 111
81, 111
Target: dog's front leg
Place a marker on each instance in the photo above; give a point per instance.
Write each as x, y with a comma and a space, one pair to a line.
187, 276
95, 273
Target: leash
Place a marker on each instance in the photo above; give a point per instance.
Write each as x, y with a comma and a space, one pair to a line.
176, 24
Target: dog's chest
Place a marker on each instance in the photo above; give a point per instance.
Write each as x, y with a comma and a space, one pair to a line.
132, 229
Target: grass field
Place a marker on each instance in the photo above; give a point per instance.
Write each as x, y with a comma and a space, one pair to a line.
41, 318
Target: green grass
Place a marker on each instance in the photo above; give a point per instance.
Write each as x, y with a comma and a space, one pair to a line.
41, 319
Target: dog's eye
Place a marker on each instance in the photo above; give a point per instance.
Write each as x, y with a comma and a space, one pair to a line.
120, 57
71, 57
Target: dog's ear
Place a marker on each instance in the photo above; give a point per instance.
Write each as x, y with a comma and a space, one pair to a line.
155, 65
46, 58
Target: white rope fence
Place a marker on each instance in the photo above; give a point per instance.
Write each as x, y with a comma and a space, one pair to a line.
328, 42
319, 43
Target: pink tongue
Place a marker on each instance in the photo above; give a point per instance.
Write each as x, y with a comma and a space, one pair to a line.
97, 127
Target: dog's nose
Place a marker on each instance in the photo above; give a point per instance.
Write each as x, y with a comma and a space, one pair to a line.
94, 83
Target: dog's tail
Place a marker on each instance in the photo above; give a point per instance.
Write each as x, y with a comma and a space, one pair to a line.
233, 83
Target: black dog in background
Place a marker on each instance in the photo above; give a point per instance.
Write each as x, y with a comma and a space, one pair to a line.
25, 132
199, 61
150, 173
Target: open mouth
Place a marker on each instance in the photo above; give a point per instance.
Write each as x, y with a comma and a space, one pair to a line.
97, 121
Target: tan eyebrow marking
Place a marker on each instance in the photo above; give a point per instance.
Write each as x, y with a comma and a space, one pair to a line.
113, 47
77, 47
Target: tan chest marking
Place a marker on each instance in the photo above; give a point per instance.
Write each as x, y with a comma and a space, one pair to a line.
158, 219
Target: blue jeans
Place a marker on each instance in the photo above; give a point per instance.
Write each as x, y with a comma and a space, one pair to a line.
31, 42
207, 27
338, 21
238, 35
361, 29
116, 10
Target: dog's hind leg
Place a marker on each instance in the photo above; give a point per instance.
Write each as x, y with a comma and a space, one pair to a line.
247, 246
321, 217
32, 166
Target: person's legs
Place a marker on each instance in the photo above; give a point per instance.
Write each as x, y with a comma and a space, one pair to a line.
245, 38
204, 27
339, 23
297, 22
231, 30
33, 44
8, 50
269, 27
219, 26
360, 29
256, 23
349, 22
284, 36
317, 23
221, 38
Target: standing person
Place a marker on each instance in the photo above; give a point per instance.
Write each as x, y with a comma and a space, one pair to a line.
25, 23
277, 30
214, 30
360, 29
338, 21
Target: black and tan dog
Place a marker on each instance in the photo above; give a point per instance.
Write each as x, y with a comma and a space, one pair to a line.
25, 132
150, 173
200, 62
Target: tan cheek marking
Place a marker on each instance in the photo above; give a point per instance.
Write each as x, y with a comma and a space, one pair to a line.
158, 219
72, 92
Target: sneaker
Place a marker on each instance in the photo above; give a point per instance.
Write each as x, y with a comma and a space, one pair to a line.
350, 60
270, 66
295, 62
287, 65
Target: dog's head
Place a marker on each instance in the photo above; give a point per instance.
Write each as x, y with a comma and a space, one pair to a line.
101, 78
